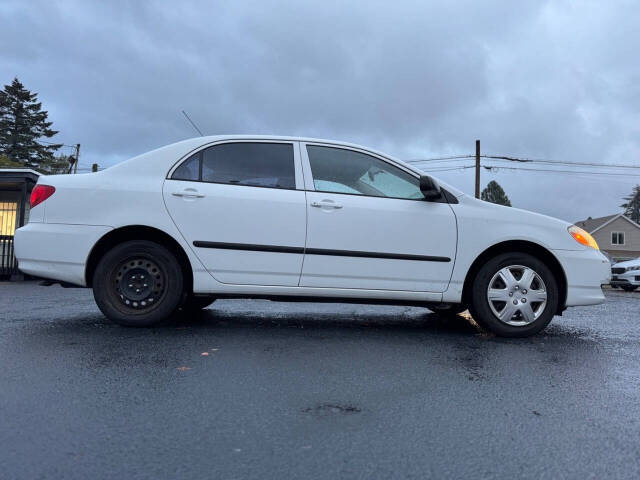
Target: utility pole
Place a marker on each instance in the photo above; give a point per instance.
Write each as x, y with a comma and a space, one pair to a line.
477, 168
75, 166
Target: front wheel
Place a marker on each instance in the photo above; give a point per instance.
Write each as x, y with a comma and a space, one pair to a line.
514, 295
138, 284
629, 288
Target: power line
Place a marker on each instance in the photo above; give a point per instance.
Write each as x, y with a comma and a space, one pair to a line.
531, 160
440, 159
447, 169
548, 170
557, 162
496, 168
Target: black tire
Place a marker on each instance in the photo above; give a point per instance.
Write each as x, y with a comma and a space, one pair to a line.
138, 284
195, 303
629, 288
482, 311
446, 309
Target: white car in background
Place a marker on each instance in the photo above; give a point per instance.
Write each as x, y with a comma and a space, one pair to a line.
300, 219
626, 275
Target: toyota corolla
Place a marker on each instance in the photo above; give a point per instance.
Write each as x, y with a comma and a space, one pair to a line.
300, 219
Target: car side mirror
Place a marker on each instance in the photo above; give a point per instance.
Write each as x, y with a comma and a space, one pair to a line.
430, 188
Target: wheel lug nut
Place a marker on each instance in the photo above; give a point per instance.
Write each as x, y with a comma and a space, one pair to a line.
524, 300
515, 302
524, 292
511, 294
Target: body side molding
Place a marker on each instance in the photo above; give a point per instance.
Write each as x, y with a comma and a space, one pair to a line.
317, 251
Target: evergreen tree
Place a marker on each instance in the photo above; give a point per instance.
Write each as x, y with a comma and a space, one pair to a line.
22, 124
632, 205
495, 194
6, 162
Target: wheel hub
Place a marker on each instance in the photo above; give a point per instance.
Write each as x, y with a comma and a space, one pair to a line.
139, 283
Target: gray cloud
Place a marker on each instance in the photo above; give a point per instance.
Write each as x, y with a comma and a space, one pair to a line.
554, 80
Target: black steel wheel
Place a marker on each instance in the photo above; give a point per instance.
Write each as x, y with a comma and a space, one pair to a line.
138, 283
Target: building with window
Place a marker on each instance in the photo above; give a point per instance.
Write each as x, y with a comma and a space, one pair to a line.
617, 235
15, 189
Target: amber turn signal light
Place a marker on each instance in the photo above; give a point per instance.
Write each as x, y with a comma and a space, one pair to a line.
583, 237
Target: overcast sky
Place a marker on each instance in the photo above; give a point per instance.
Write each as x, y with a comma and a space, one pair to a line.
556, 80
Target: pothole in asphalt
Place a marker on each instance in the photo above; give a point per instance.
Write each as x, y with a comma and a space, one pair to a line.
332, 409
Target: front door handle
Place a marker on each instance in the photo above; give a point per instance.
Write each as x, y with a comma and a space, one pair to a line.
188, 193
325, 204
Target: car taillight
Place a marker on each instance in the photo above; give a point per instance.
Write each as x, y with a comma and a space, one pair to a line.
40, 193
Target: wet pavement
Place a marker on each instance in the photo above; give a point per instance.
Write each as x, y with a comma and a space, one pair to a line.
256, 389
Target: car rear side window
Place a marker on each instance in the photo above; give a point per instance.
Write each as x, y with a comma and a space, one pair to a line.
250, 164
189, 170
243, 163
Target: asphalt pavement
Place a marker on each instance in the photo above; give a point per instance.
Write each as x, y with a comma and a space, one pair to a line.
265, 390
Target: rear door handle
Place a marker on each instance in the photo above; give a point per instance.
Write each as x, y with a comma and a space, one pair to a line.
188, 193
325, 204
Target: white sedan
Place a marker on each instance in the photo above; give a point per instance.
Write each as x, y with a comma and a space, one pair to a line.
626, 275
300, 219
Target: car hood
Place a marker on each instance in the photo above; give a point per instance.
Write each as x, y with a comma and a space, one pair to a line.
628, 263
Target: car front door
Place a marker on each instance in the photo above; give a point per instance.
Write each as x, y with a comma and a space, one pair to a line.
241, 207
369, 226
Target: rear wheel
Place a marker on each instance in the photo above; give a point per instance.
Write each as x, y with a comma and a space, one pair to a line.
138, 284
629, 288
514, 295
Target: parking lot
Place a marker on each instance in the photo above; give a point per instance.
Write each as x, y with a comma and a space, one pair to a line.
255, 389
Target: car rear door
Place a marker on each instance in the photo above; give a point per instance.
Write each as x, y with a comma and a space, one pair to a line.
241, 206
369, 227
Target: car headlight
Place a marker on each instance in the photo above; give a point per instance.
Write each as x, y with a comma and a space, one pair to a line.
583, 237
635, 267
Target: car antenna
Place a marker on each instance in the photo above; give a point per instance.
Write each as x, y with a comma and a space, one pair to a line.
191, 122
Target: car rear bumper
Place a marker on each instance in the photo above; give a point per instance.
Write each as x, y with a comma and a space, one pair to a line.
56, 251
586, 272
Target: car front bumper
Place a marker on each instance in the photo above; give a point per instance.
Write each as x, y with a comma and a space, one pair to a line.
631, 278
586, 271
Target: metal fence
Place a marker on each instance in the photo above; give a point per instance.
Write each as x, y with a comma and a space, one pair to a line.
8, 262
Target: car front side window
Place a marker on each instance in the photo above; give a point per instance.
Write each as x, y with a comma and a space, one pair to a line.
338, 170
